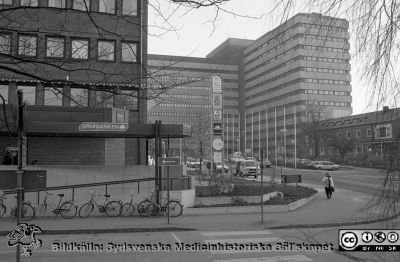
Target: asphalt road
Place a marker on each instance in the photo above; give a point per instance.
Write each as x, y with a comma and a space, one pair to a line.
268, 251
362, 180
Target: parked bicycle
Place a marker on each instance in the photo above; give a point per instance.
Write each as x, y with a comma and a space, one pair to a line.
27, 210
128, 208
148, 207
66, 209
111, 208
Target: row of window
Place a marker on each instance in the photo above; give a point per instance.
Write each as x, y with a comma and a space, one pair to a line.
298, 26
181, 96
326, 70
181, 78
184, 105
176, 114
266, 62
299, 46
291, 61
326, 92
128, 7
328, 103
79, 48
53, 96
327, 81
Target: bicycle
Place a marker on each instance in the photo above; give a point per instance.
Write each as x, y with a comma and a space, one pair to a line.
66, 209
148, 207
128, 208
27, 214
111, 208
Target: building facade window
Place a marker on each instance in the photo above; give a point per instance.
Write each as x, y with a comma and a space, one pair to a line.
104, 99
53, 96
306, 140
107, 6
5, 43
322, 151
129, 52
4, 93
383, 131
358, 133
358, 149
79, 97
369, 132
106, 50
348, 134
27, 45
57, 3
29, 2
6, 2
55, 47
82, 5
80, 49
29, 94
128, 100
129, 7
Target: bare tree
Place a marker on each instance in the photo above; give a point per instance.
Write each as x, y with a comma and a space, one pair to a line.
342, 145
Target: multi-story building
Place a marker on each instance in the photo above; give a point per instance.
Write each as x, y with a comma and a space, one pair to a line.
302, 62
366, 139
75, 61
299, 69
182, 88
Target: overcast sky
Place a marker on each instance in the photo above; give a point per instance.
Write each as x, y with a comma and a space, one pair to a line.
196, 35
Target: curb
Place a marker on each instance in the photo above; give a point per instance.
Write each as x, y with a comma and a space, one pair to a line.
337, 224
108, 230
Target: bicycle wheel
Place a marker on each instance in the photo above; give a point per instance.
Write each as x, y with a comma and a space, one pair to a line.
68, 210
128, 210
113, 208
27, 212
41, 210
146, 208
85, 210
174, 208
3, 210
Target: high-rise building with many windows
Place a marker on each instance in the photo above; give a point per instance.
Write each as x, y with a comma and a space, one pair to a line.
299, 70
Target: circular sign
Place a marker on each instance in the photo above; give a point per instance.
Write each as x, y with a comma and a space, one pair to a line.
367, 237
218, 144
392, 237
349, 240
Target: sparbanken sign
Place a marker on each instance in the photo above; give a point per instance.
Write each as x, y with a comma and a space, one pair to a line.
102, 127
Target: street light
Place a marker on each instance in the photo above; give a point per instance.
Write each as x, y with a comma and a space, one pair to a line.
282, 132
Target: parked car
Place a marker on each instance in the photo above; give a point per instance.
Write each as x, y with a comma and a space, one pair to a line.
267, 163
224, 166
325, 165
247, 168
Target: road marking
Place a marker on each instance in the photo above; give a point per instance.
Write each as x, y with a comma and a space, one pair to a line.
235, 233
176, 238
293, 258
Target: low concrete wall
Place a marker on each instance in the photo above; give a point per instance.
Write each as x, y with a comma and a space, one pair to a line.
209, 201
186, 197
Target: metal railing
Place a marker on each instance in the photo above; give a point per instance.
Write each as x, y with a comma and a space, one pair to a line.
183, 182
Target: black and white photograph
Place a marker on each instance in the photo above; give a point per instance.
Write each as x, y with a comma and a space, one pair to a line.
200, 130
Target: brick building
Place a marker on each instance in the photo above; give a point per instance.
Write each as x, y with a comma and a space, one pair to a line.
371, 137
75, 61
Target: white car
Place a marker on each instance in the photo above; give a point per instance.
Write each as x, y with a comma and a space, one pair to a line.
325, 165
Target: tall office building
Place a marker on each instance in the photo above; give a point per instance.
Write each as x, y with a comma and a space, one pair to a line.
299, 69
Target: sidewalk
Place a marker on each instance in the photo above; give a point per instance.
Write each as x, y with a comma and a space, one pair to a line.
343, 207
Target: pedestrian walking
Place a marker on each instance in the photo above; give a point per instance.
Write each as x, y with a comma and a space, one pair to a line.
329, 185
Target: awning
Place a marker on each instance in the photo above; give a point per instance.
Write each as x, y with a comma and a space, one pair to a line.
71, 129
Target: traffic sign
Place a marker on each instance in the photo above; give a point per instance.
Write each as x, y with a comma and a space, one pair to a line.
103, 127
168, 161
291, 179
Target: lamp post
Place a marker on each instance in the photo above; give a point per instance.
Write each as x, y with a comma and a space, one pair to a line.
283, 133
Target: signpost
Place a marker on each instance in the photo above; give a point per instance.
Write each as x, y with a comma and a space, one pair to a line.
168, 161
103, 127
286, 179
